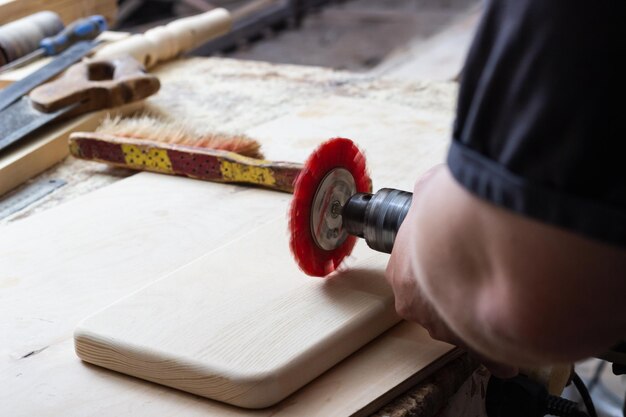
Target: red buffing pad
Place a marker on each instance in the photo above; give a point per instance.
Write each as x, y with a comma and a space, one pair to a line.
334, 170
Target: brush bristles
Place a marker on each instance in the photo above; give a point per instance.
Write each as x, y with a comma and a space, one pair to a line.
337, 152
158, 130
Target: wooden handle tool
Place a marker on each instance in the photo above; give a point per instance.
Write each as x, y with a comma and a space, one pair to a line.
96, 85
84, 87
193, 162
166, 42
23, 36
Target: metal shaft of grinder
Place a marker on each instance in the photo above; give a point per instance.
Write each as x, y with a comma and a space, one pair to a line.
376, 217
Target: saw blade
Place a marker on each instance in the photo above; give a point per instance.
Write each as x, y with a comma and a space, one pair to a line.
21, 119
20, 88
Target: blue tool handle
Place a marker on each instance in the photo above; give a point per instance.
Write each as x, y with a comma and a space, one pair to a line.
81, 30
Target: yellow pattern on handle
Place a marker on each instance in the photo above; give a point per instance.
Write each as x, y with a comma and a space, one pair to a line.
145, 157
75, 149
246, 172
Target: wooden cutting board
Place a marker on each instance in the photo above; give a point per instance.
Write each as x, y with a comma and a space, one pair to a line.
242, 324
62, 265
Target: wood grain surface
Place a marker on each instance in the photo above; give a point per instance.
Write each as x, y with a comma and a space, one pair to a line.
69, 262
242, 324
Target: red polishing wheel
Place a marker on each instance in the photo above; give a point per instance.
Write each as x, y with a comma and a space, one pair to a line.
334, 172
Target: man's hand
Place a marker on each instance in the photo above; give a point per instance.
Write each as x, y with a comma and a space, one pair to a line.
507, 287
411, 302
402, 273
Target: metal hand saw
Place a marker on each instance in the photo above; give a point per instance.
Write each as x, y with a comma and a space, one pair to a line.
84, 87
22, 87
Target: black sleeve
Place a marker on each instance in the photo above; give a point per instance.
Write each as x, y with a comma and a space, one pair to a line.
536, 127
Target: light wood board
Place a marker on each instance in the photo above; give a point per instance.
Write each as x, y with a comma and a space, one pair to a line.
67, 263
46, 148
60, 266
242, 324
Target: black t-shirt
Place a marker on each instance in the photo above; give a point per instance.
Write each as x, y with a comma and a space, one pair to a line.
537, 120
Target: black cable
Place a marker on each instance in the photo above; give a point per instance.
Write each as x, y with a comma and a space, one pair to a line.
596, 376
523, 397
584, 394
557, 406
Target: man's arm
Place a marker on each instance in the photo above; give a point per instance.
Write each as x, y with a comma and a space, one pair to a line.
515, 290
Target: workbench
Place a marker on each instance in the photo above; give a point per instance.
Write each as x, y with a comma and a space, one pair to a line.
228, 104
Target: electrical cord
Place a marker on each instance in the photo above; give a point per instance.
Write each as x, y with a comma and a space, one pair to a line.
596, 376
522, 397
558, 406
584, 394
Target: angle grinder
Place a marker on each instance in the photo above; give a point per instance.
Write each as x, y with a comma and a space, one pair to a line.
333, 205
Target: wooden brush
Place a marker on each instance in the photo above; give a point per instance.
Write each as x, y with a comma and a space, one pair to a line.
148, 143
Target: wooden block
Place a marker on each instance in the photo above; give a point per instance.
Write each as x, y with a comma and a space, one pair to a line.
242, 324
46, 148
59, 385
37, 154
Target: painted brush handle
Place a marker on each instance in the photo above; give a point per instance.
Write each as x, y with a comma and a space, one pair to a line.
200, 163
163, 43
